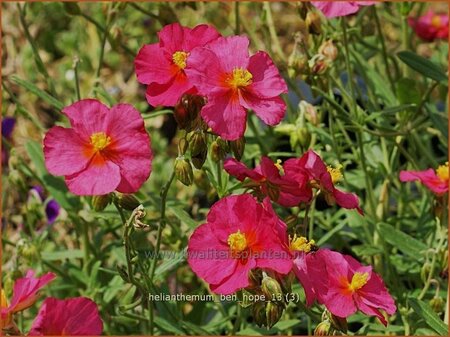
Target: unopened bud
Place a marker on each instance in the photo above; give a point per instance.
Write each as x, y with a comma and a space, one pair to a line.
217, 152
329, 50
298, 59
186, 111
309, 111
273, 314
318, 64
271, 288
183, 171
200, 159
201, 179
314, 22
197, 143
303, 136
238, 147
259, 313
337, 323
323, 329
182, 146
437, 304
127, 201
99, 202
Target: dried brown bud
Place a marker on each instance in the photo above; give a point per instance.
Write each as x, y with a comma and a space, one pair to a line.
127, 201
329, 50
238, 147
99, 202
314, 22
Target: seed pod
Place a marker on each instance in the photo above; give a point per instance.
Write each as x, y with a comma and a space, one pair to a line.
318, 64
186, 111
259, 313
238, 147
337, 323
197, 143
217, 152
99, 202
183, 171
309, 111
437, 304
127, 201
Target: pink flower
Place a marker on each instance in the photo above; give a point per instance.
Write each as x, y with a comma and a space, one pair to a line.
240, 234
105, 150
321, 177
430, 26
435, 181
71, 317
25, 291
332, 9
344, 286
161, 65
270, 180
235, 82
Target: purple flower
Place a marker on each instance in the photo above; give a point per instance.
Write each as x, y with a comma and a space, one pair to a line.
8, 124
52, 211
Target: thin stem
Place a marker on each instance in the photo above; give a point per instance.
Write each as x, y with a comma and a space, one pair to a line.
102, 49
237, 29
273, 33
383, 47
76, 61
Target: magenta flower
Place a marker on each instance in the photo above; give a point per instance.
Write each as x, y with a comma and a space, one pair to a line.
25, 294
240, 234
270, 180
430, 26
321, 177
71, 317
105, 150
161, 65
332, 9
345, 286
235, 82
435, 181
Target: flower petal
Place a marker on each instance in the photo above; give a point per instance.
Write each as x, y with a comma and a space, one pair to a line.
64, 151
270, 110
168, 94
267, 81
239, 170
153, 66
86, 116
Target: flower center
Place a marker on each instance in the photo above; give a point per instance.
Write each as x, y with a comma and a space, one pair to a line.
436, 21
358, 281
240, 78
335, 173
301, 244
279, 167
237, 242
442, 172
100, 141
179, 58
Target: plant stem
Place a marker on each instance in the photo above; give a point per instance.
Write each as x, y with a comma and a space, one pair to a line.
383, 48
76, 61
237, 29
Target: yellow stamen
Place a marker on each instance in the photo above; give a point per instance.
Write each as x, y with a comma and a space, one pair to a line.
237, 242
442, 172
301, 243
279, 167
335, 173
179, 58
240, 78
358, 281
436, 21
100, 141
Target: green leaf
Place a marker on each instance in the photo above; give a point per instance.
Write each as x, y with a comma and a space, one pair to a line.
407, 91
183, 216
166, 326
170, 263
424, 310
423, 66
62, 255
287, 324
406, 243
38, 92
34, 150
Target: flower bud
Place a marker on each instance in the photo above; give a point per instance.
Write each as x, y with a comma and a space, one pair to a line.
298, 59
197, 143
217, 151
238, 147
329, 50
259, 313
437, 304
337, 323
314, 22
271, 289
127, 201
273, 314
303, 136
183, 171
99, 202
186, 111
323, 329
318, 64
309, 111
200, 159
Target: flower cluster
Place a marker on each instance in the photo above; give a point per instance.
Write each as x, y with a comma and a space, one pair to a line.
200, 61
